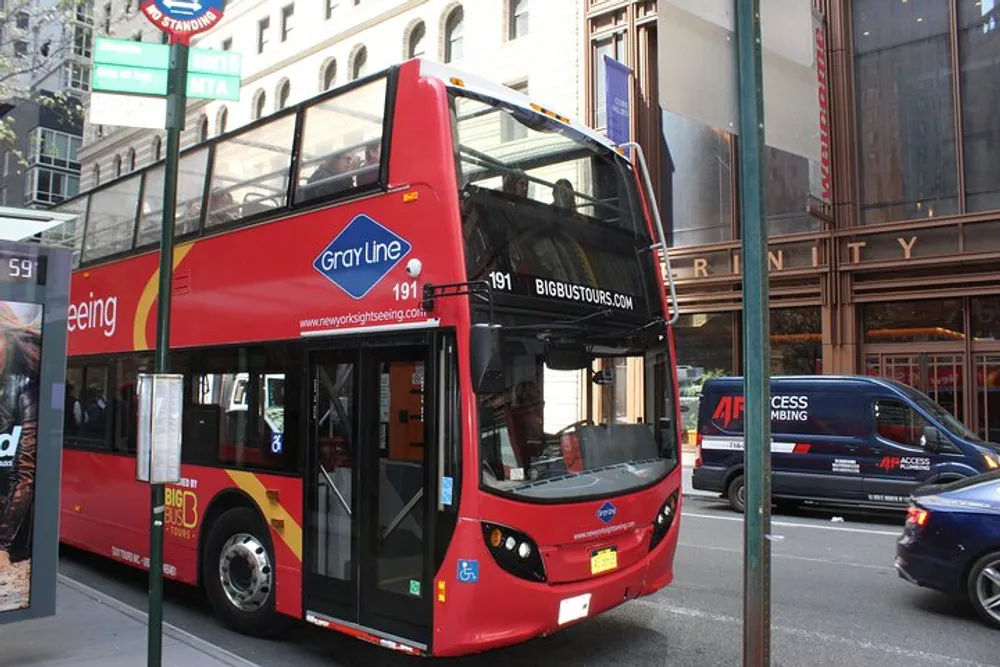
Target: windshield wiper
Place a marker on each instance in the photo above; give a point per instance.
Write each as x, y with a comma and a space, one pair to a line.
572, 323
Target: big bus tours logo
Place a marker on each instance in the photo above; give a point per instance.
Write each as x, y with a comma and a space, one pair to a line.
361, 256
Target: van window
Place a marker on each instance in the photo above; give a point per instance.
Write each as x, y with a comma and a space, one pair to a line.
898, 422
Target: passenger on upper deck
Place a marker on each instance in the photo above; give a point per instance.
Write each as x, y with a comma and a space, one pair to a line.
324, 180
515, 184
563, 195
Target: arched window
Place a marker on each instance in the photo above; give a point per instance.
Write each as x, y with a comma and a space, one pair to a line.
259, 100
329, 75
360, 65
131, 159
220, 121
118, 166
454, 28
203, 128
157, 149
97, 175
415, 47
284, 90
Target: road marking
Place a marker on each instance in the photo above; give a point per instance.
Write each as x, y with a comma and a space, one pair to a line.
792, 557
194, 641
790, 524
935, 659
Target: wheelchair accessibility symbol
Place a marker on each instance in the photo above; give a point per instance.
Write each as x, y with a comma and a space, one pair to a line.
468, 571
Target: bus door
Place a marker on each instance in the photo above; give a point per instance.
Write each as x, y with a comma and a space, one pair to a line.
369, 546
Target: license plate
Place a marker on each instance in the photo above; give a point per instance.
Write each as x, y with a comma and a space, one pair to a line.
603, 560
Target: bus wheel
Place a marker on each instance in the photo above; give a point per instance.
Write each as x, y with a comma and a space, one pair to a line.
238, 570
736, 493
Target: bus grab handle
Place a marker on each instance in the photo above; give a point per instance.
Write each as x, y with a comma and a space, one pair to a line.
674, 314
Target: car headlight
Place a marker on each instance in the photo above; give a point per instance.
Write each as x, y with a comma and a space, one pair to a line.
992, 461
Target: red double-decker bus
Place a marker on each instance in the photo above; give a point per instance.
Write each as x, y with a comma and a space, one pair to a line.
430, 397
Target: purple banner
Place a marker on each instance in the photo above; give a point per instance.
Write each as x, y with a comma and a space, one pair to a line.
616, 89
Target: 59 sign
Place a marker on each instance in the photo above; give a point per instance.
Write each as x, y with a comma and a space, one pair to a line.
183, 18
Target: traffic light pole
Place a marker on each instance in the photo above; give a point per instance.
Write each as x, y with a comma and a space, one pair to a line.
756, 347
176, 107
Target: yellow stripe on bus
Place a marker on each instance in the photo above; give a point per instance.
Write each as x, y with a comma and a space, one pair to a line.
291, 532
149, 294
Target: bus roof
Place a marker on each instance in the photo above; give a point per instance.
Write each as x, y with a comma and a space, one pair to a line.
460, 80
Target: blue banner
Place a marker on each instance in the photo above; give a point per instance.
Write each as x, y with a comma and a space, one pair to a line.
616, 90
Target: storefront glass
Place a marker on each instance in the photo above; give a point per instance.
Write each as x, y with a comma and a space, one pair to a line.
704, 344
796, 341
920, 321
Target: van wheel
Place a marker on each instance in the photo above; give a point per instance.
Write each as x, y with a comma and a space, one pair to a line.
238, 571
984, 588
736, 493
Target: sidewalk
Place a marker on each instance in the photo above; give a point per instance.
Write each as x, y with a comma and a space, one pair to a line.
91, 629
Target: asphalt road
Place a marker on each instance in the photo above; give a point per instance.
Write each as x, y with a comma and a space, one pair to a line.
835, 601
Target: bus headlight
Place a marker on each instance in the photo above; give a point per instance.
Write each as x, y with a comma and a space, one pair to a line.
663, 520
514, 552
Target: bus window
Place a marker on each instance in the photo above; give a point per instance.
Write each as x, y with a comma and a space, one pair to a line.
342, 143
252, 168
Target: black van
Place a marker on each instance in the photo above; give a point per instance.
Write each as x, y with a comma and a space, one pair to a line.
841, 439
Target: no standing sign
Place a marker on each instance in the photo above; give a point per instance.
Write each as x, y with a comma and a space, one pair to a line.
183, 18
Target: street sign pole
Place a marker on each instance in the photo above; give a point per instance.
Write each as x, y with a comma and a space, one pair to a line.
756, 347
176, 106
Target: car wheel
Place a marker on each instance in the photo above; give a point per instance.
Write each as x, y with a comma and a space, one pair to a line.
984, 588
238, 571
736, 493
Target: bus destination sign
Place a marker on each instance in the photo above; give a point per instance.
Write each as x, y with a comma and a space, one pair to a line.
181, 19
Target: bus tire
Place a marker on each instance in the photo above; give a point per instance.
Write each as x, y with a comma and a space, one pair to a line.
239, 574
736, 493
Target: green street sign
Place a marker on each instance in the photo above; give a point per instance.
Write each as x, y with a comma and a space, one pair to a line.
122, 79
213, 61
130, 52
140, 68
213, 87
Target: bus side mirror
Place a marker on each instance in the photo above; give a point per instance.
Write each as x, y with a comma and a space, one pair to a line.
486, 358
931, 439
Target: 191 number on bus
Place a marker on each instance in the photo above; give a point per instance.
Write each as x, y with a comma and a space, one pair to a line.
501, 280
405, 291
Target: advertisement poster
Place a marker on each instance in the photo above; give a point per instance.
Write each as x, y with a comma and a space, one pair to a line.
20, 356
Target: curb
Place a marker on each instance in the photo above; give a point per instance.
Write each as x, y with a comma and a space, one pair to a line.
183, 636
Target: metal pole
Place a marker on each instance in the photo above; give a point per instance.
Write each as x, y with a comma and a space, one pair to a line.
176, 105
756, 347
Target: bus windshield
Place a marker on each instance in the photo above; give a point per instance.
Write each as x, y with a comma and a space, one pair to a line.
548, 212
578, 421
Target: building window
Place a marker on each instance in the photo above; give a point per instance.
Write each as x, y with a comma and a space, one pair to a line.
263, 33
56, 149
329, 75
221, 120
510, 128
46, 186
227, 44
287, 14
796, 341
284, 90
918, 321
415, 47
118, 165
203, 129
906, 119
360, 65
259, 100
85, 11
979, 69
20, 49
517, 19
76, 76
131, 160
157, 148
330, 6
97, 175
453, 35
23, 20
